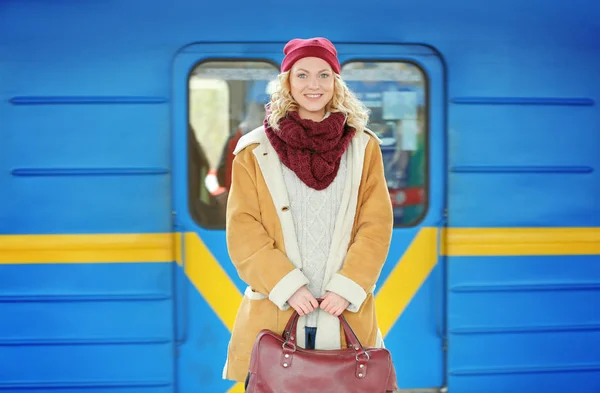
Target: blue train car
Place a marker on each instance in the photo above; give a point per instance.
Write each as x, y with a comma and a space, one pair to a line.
117, 122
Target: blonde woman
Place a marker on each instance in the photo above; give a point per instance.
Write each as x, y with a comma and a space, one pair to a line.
309, 215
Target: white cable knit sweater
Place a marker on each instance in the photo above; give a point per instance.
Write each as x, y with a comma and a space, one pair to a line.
314, 214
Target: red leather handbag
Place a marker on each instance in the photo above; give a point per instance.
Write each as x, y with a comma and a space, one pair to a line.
277, 365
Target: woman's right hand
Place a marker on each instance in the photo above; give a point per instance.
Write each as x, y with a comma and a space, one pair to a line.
303, 301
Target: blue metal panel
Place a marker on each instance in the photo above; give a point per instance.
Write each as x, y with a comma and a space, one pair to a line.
519, 322
549, 159
523, 152
66, 364
86, 326
524, 199
536, 102
202, 355
585, 381
83, 149
98, 387
417, 338
118, 176
86, 204
514, 135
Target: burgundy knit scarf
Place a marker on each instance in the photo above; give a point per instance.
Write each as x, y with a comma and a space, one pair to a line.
312, 150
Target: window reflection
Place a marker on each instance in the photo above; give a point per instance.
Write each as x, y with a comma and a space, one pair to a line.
395, 94
226, 100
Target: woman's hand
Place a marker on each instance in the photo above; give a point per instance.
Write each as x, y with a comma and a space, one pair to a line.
303, 301
334, 304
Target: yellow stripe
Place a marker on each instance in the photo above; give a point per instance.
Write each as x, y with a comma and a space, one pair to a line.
406, 278
522, 241
114, 248
237, 388
101, 248
211, 280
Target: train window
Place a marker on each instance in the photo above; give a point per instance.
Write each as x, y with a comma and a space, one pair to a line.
395, 92
226, 100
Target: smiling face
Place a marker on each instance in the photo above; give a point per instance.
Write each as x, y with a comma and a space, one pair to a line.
311, 85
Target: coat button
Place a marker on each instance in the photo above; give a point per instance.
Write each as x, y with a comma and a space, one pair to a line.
285, 208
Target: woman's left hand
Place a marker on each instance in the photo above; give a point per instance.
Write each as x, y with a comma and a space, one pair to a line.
334, 304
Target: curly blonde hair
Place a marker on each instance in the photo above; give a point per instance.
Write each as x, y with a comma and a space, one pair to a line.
343, 100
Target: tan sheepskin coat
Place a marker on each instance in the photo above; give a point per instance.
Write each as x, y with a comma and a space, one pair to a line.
263, 247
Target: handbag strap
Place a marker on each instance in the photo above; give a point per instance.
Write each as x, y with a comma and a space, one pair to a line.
289, 334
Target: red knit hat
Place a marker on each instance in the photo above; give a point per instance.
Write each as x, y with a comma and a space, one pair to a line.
319, 47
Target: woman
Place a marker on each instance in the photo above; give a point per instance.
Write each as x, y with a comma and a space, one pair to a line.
309, 215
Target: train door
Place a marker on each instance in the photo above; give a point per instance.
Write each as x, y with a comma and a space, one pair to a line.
219, 94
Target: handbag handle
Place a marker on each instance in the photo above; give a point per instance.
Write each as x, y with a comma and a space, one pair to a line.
289, 334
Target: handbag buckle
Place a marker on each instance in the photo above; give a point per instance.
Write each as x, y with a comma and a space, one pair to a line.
292, 347
360, 353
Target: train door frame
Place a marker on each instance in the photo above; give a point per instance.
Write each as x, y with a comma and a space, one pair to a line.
198, 255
